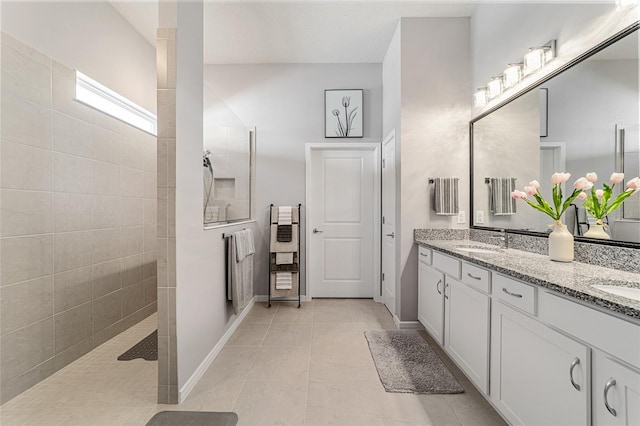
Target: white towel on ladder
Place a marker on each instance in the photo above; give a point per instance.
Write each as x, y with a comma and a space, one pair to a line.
284, 215
284, 281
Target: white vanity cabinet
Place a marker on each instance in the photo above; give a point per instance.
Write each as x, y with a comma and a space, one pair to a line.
467, 330
616, 392
454, 308
538, 376
430, 296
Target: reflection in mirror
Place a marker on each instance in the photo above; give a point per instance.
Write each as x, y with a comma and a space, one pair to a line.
589, 123
628, 155
226, 160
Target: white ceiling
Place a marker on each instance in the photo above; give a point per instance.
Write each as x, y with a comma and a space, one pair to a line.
300, 31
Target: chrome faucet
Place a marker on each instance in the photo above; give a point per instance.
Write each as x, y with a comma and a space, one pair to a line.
503, 238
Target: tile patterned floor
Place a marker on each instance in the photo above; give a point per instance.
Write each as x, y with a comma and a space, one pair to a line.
308, 366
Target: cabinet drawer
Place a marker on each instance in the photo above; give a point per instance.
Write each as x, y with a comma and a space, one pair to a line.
515, 293
424, 255
476, 277
446, 264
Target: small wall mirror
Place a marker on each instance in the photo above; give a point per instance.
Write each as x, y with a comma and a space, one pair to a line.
226, 161
583, 119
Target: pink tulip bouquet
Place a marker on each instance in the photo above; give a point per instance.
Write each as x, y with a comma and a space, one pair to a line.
559, 205
598, 202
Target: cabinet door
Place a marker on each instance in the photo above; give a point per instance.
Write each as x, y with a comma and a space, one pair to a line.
467, 331
622, 388
431, 301
538, 376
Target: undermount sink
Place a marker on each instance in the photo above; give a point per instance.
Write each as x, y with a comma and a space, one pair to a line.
628, 292
478, 249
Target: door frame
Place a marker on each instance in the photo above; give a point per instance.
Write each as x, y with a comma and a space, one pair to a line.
391, 136
377, 205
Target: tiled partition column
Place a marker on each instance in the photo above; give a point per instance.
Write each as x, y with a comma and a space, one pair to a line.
77, 221
167, 345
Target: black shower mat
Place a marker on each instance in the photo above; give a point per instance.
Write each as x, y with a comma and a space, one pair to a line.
147, 349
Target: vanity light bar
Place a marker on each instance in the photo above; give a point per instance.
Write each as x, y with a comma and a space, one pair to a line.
535, 59
100, 97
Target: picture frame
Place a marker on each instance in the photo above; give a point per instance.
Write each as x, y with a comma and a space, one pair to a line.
343, 113
544, 117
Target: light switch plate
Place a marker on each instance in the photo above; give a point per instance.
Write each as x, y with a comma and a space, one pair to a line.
479, 217
461, 217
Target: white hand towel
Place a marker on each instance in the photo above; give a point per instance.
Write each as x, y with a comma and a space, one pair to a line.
284, 258
244, 244
284, 215
284, 281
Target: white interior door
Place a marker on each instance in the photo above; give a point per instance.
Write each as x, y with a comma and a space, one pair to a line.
343, 206
389, 222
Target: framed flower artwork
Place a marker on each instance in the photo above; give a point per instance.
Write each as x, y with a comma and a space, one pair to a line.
343, 113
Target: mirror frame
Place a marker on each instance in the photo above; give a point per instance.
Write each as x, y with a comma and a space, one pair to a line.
608, 42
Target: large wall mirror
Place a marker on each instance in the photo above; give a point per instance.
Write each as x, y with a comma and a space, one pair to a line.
582, 119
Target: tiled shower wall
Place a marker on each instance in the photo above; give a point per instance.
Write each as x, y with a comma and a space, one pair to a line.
77, 221
167, 342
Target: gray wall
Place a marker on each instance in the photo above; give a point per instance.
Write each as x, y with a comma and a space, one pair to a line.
431, 131
78, 220
285, 102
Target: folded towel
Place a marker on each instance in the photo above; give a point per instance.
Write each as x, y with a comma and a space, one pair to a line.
284, 233
244, 244
501, 203
276, 246
295, 215
446, 196
284, 215
284, 258
284, 281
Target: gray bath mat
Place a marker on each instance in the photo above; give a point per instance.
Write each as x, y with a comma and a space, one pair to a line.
193, 418
147, 349
407, 364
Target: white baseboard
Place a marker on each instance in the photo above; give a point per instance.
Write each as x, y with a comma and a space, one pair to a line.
407, 325
265, 298
204, 365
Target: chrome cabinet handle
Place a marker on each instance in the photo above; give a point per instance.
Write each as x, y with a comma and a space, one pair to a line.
424, 254
445, 290
317, 231
473, 276
438, 287
576, 361
392, 235
511, 294
610, 383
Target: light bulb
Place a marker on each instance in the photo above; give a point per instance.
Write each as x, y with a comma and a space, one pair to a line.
480, 97
624, 4
534, 60
494, 87
512, 75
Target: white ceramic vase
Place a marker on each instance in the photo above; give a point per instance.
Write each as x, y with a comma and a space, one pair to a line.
597, 231
560, 243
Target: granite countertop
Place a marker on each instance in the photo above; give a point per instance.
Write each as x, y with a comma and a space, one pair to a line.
573, 279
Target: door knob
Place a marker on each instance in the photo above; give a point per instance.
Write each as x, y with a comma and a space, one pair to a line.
316, 231
392, 235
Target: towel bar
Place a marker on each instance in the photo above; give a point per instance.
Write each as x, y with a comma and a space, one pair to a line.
433, 180
488, 180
